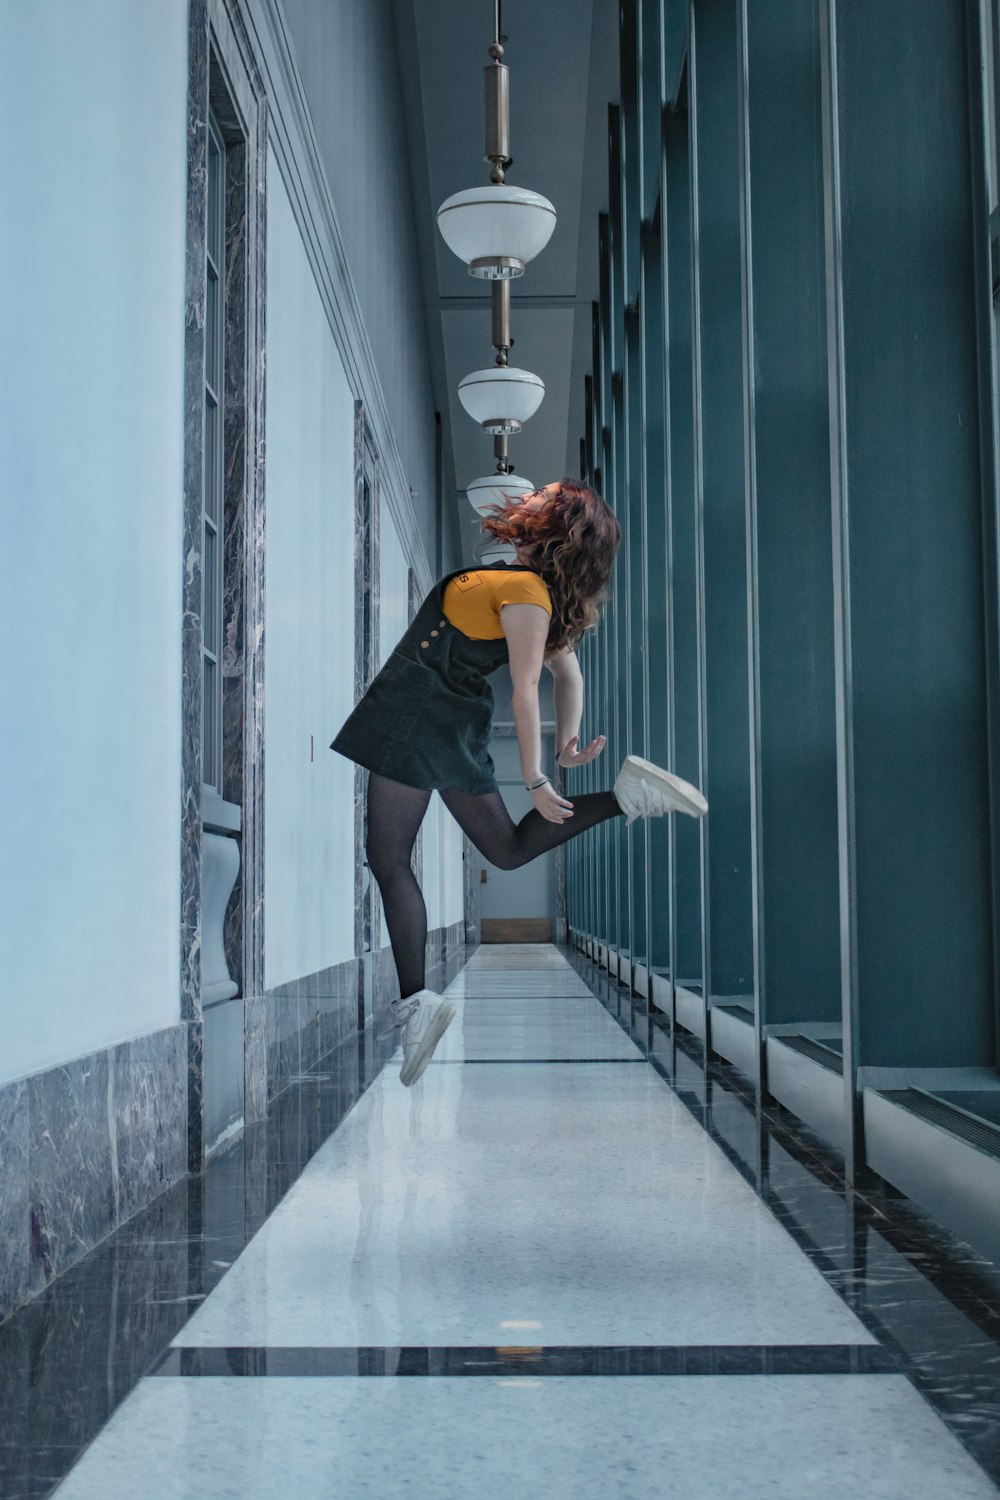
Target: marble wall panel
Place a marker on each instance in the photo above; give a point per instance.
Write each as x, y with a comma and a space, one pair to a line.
149, 1083
283, 1027
434, 951
338, 1006
222, 68
252, 1152
470, 892
307, 1019
309, 993
385, 984
194, 442
196, 1094
238, 99
83, 1147
255, 1058
253, 543
70, 1163
15, 1213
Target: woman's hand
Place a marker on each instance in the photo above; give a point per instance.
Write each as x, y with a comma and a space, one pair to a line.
553, 808
570, 756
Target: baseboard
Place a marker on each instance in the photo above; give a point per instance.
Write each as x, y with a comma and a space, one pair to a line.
85, 1146
515, 929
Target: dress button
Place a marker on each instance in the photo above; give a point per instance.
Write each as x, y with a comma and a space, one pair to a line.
433, 632
441, 623
424, 645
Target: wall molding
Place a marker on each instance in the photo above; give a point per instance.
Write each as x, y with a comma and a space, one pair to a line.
223, 73
292, 138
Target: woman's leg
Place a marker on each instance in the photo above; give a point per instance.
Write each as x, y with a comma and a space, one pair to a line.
395, 813
507, 844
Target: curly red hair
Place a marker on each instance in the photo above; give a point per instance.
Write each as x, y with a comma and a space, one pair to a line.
574, 536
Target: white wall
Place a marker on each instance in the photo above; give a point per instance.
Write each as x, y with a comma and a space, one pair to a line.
452, 908
347, 55
92, 182
309, 618
393, 601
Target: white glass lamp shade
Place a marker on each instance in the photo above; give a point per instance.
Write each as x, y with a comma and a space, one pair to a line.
492, 551
501, 399
494, 489
496, 230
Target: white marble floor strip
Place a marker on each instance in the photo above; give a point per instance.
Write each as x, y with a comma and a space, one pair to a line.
583, 1201
530, 981
567, 1027
707, 1438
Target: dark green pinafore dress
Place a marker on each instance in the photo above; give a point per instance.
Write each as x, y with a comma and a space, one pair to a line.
425, 720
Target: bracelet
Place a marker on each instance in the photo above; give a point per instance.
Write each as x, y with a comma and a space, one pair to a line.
536, 784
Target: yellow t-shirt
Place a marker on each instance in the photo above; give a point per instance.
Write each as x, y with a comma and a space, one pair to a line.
473, 601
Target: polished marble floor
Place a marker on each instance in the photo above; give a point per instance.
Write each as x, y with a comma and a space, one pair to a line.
571, 1261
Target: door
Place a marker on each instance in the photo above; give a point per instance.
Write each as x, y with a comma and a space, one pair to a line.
516, 906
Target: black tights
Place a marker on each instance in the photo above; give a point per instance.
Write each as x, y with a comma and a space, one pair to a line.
395, 813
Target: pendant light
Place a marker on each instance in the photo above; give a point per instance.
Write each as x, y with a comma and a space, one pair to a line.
492, 551
497, 489
501, 399
496, 230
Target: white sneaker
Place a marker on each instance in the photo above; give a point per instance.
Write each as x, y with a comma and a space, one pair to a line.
647, 791
425, 1017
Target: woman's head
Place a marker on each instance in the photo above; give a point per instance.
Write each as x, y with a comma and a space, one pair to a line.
567, 534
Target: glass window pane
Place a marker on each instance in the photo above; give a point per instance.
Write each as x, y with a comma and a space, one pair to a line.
211, 459
209, 749
210, 592
212, 331
214, 192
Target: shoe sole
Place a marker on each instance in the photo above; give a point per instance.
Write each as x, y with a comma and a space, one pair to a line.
686, 797
443, 1018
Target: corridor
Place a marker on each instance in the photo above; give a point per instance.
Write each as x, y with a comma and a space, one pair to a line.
538, 1273
346, 340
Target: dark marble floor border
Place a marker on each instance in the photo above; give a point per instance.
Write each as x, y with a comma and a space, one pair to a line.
931, 1300
574, 1359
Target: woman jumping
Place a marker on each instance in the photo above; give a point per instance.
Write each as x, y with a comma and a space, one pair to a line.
424, 724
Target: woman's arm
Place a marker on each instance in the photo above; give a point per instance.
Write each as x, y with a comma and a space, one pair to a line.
526, 627
567, 683
567, 693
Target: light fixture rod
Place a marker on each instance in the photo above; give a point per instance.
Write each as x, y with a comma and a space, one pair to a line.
497, 152
497, 81
501, 319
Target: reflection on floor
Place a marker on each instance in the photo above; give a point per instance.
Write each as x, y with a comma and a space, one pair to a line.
570, 1261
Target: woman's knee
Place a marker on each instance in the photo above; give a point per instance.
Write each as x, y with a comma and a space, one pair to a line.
506, 859
385, 863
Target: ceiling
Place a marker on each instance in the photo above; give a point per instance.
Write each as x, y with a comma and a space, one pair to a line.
563, 60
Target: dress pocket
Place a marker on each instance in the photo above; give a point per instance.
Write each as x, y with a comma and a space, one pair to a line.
402, 697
